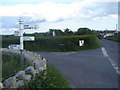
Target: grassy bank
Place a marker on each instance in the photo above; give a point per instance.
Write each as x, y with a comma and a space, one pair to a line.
114, 38
50, 78
11, 65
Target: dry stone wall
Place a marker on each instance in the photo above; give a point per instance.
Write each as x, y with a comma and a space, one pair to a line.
37, 64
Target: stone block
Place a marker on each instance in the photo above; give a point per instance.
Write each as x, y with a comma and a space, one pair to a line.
10, 82
22, 76
40, 65
30, 70
20, 83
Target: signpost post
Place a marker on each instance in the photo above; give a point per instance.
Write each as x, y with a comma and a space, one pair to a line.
21, 28
53, 33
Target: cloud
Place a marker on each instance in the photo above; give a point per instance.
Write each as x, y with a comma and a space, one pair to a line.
103, 18
8, 31
60, 15
11, 29
49, 11
58, 1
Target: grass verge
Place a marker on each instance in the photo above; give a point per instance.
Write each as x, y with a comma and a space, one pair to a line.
50, 78
113, 38
11, 65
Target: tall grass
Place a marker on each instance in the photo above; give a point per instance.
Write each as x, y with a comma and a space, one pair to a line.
11, 65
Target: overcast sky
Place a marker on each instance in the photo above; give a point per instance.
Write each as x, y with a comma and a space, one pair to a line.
58, 14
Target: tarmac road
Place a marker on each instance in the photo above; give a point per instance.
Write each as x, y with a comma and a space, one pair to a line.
97, 68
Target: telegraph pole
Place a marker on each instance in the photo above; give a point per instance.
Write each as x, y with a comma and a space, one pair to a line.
116, 27
53, 33
21, 28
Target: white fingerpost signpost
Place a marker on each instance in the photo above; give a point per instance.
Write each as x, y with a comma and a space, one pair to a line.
23, 38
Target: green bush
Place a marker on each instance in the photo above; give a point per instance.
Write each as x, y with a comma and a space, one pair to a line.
7, 40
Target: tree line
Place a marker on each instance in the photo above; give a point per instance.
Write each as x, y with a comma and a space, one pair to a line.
69, 32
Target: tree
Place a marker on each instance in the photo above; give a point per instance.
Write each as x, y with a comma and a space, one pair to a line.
68, 32
58, 32
84, 31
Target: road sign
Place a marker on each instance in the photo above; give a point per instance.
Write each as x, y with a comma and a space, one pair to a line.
14, 46
36, 27
16, 33
30, 27
28, 38
81, 42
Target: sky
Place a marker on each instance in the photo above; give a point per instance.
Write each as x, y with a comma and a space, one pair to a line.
58, 14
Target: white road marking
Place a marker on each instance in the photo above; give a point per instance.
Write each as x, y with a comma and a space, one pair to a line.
111, 61
64, 53
104, 52
70, 53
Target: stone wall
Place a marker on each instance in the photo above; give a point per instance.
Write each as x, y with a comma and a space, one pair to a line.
37, 64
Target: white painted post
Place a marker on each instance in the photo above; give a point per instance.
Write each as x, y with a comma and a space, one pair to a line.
21, 23
54, 34
116, 27
21, 28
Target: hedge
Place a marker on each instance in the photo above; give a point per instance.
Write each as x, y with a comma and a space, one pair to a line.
63, 43
55, 44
